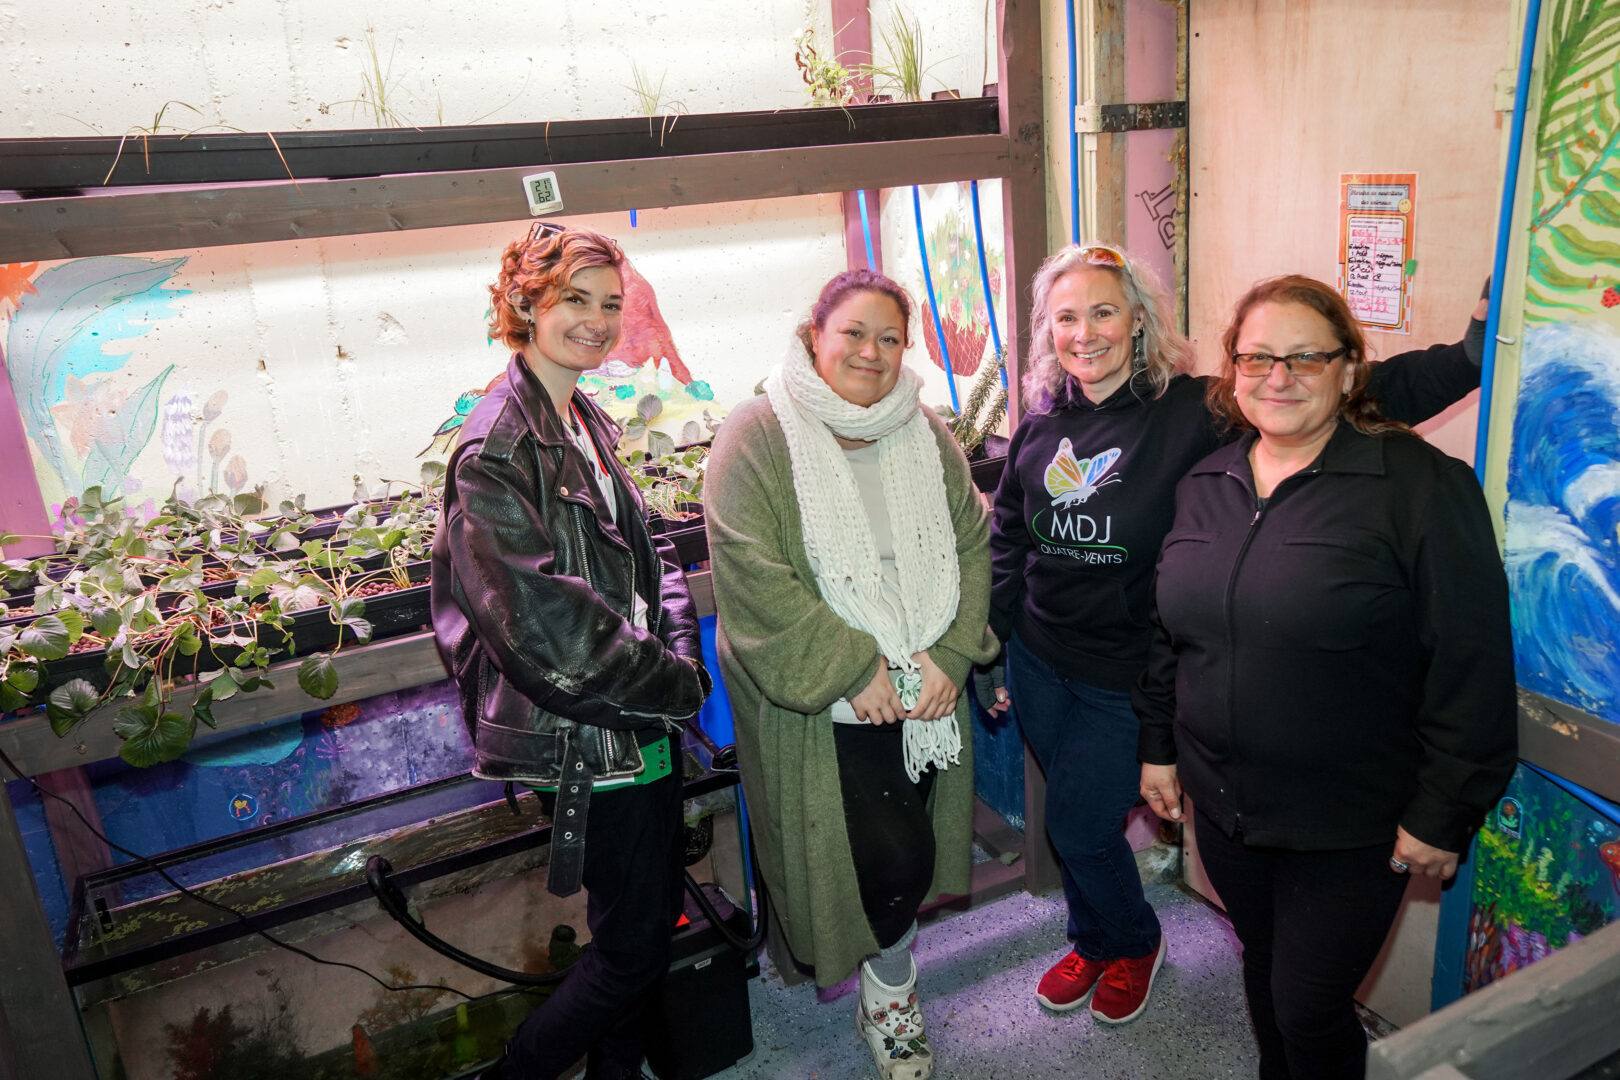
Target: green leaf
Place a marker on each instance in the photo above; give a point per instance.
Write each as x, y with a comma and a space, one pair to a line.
46, 638
1544, 270
7, 539
74, 622
649, 407
133, 720
1602, 208
106, 620
317, 676
432, 473
69, 704
659, 444
23, 678
187, 641
203, 708
10, 697
1573, 244
165, 738
222, 684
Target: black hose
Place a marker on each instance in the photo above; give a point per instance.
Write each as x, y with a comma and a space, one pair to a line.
393, 901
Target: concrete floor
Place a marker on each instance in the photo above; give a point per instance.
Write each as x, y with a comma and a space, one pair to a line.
977, 976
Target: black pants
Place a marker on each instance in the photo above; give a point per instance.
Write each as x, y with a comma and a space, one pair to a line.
891, 833
632, 873
1311, 924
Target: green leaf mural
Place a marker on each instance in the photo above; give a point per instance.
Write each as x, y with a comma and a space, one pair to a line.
1573, 208
62, 331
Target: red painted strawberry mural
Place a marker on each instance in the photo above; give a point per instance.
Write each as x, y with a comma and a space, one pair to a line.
644, 335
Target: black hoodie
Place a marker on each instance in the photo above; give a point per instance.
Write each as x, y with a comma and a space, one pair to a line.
1089, 494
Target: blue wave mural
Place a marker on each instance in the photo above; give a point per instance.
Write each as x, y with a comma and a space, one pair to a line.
1563, 551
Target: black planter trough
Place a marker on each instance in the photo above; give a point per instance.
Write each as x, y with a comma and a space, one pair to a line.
56, 166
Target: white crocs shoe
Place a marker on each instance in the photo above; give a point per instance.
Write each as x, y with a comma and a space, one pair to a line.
891, 1021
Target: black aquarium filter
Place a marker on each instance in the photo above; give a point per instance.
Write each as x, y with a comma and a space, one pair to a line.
700, 1023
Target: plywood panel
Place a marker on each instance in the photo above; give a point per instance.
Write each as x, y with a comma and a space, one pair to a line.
1284, 96
1287, 94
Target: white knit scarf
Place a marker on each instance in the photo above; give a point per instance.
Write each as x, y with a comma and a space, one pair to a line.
838, 536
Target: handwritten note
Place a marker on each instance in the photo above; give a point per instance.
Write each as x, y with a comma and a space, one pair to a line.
1376, 226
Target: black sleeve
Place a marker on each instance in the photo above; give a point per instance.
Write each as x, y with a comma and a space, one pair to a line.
1468, 721
1414, 386
1009, 542
1154, 696
550, 635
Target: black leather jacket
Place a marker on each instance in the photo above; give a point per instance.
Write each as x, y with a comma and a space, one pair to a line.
532, 586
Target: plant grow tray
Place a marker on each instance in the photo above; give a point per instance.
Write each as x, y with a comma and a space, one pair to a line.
390, 614
55, 166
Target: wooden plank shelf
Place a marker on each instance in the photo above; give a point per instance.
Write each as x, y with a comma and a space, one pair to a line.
166, 218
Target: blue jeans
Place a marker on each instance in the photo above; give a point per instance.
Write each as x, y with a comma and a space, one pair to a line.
1085, 740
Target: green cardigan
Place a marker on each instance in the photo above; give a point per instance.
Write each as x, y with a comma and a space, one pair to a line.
786, 657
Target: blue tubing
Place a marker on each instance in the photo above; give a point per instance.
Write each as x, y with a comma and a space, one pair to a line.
984, 280
933, 304
1504, 230
866, 229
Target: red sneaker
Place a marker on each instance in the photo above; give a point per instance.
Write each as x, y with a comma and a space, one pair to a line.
1125, 986
1069, 982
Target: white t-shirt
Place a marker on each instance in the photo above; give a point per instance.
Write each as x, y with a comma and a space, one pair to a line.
863, 461
604, 487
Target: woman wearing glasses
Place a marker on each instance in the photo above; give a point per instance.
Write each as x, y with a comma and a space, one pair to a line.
574, 641
1113, 421
1331, 677
851, 575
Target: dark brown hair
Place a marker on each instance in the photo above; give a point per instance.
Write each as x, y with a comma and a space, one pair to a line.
844, 286
536, 270
1356, 408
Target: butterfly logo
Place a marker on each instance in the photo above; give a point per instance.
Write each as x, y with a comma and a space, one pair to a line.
1072, 480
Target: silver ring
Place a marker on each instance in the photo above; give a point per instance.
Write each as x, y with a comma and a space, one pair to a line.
1398, 866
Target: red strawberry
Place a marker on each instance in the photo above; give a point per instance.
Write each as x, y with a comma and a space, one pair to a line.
1611, 296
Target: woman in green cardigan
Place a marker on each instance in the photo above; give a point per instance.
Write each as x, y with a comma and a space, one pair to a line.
851, 576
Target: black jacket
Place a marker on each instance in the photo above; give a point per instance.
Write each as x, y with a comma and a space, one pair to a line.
1072, 563
532, 587
1338, 662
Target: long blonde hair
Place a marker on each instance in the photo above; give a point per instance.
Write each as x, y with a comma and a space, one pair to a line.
1162, 352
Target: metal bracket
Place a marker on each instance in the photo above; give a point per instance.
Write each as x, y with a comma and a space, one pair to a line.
1147, 116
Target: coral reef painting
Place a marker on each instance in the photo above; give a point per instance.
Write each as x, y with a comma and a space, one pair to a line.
1544, 878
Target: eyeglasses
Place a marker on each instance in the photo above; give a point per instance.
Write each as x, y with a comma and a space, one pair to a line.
1103, 255
1257, 364
542, 227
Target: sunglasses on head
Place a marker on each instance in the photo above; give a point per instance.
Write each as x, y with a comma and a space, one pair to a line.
544, 228
1103, 255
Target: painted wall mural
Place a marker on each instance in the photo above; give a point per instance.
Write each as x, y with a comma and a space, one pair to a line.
61, 346
645, 363
1563, 511
1547, 874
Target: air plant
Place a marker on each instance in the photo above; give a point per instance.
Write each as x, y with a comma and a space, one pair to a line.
902, 77
652, 102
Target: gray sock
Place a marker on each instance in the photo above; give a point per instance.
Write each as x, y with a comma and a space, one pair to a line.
892, 966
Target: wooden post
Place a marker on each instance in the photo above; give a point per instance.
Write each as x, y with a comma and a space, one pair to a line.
1100, 41
1023, 208
40, 1022
852, 45
1023, 191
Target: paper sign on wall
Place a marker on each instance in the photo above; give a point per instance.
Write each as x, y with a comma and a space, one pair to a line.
1377, 225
